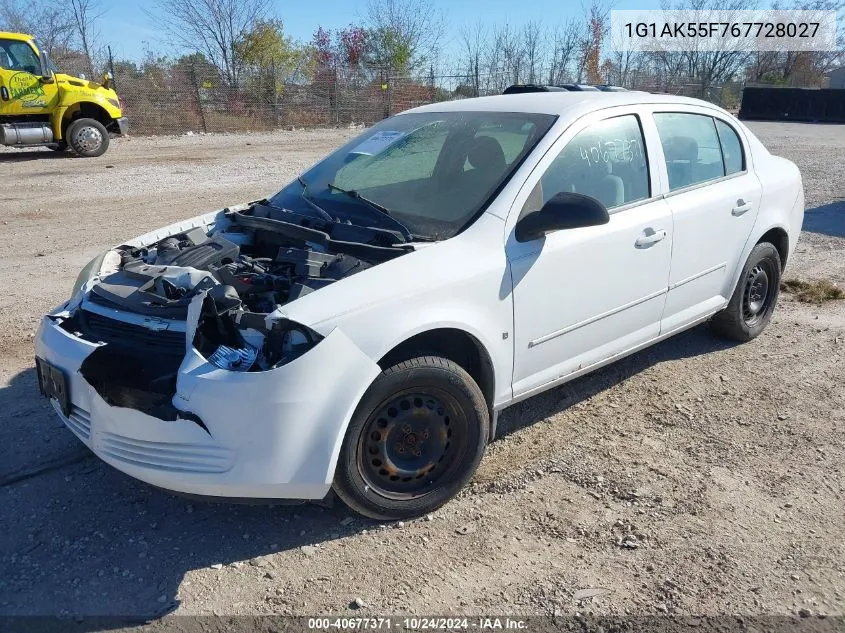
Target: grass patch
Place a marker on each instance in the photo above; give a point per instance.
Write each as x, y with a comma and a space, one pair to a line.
817, 291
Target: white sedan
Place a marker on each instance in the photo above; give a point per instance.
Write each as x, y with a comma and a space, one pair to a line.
361, 329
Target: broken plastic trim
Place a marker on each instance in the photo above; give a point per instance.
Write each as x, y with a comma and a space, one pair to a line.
135, 379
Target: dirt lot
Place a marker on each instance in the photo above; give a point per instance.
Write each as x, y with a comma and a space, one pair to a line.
725, 462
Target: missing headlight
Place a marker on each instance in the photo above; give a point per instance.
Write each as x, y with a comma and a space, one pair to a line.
237, 340
287, 341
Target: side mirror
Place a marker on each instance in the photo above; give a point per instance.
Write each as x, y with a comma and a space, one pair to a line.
46, 73
563, 211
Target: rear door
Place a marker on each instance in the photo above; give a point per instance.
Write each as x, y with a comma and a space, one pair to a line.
714, 198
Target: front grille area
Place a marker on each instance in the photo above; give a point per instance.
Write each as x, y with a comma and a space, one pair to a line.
79, 421
101, 328
172, 457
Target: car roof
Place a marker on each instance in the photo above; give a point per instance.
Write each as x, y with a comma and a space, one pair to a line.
4, 35
565, 104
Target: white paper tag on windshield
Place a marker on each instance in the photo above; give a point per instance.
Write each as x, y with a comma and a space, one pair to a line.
377, 143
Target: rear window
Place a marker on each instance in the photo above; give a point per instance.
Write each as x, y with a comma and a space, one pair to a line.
691, 147
731, 148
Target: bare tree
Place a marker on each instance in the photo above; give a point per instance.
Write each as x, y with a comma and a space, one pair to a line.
508, 40
85, 15
799, 67
533, 41
213, 27
404, 34
624, 63
567, 40
474, 39
709, 67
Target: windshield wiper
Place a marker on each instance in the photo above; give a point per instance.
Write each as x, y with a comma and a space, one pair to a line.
352, 193
325, 215
355, 195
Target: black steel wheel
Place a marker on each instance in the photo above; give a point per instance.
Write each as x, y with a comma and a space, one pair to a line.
407, 444
753, 301
756, 296
414, 441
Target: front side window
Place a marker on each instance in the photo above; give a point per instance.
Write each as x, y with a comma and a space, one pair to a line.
17, 55
731, 148
605, 161
433, 172
691, 148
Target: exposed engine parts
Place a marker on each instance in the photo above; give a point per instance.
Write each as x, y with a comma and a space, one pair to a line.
268, 276
238, 274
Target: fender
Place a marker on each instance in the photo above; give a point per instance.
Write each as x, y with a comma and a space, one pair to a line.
469, 277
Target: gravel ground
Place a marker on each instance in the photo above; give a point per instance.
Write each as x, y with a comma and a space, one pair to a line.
696, 477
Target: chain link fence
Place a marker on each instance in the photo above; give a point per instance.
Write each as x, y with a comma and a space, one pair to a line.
180, 100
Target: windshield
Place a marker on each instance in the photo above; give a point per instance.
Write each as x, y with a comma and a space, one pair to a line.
18, 55
431, 172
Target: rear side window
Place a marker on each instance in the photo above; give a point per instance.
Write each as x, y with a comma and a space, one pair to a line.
731, 148
605, 161
691, 147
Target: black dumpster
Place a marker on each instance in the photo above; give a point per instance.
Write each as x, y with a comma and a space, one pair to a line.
793, 104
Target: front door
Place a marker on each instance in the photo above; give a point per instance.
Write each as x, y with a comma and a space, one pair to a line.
714, 200
584, 295
23, 90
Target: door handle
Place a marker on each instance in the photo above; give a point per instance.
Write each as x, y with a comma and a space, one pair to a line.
644, 241
741, 207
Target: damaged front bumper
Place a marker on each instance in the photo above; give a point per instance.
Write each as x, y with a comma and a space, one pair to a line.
272, 434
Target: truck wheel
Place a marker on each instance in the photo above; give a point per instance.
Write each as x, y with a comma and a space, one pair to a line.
415, 439
88, 137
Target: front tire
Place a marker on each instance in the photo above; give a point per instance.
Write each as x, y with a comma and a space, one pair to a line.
88, 137
753, 301
414, 441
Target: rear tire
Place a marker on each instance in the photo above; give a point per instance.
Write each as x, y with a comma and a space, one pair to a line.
414, 441
755, 296
88, 137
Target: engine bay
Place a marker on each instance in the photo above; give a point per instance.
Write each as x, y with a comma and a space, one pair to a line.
239, 271
263, 269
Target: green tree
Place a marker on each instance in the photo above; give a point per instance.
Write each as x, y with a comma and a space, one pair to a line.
267, 49
402, 35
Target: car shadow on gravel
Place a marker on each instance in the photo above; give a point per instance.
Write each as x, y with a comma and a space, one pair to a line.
694, 342
827, 219
82, 539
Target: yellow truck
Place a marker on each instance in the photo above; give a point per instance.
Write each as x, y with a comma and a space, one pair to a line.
41, 106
